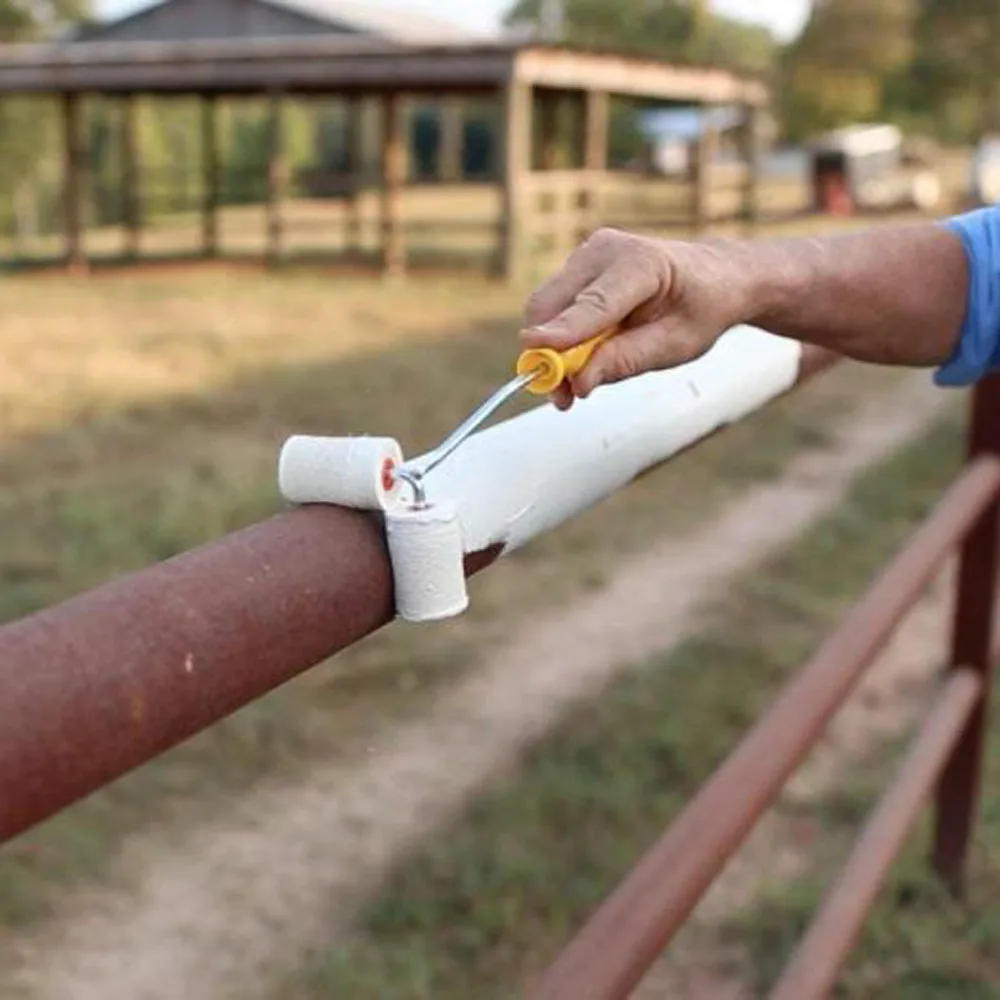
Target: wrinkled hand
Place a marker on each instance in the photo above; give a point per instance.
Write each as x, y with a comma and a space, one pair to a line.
672, 301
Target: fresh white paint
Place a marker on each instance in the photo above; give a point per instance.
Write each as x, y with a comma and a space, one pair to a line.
521, 477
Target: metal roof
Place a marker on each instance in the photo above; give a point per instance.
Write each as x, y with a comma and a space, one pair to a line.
396, 23
859, 140
341, 63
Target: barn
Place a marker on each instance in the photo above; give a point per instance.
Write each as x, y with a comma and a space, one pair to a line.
423, 109
186, 20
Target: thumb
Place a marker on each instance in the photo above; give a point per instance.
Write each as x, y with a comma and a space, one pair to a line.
652, 347
624, 356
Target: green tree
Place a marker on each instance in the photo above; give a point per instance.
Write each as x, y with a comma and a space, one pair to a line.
27, 124
839, 70
956, 70
667, 29
661, 27
745, 48
30, 20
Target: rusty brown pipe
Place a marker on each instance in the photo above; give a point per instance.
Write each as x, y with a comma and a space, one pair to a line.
93, 687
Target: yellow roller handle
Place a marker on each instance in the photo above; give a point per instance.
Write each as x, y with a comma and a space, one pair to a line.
554, 367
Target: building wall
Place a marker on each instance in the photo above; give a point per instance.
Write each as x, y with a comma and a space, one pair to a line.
183, 20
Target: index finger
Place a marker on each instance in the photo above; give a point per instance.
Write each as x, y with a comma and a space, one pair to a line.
608, 300
582, 266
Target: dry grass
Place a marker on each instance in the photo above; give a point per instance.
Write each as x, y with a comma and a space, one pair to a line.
141, 415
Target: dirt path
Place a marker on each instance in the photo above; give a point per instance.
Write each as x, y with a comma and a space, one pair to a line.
213, 915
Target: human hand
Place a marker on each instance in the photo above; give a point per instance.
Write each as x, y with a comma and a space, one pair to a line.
671, 300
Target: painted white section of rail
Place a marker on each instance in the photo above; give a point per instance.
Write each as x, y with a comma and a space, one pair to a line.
512, 481
521, 477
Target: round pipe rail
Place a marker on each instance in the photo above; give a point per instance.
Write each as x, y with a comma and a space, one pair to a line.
613, 951
812, 972
104, 682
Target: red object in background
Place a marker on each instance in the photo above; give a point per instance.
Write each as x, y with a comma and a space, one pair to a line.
833, 193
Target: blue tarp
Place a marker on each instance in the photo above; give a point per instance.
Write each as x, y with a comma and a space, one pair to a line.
686, 123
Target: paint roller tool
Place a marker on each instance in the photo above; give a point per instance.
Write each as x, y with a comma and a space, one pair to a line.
540, 370
424, 539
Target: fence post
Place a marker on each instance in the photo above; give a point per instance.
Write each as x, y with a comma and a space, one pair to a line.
972, 643
277, 177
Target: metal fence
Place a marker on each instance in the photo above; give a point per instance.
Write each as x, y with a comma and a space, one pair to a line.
102, 683
615, 949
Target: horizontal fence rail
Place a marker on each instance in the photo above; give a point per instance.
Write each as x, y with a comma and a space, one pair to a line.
106, 681
614, 950
102, 683
813, 970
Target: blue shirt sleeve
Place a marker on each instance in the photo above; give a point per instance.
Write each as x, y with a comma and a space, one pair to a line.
977, 353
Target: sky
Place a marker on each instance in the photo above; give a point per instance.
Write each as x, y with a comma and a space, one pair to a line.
784, 16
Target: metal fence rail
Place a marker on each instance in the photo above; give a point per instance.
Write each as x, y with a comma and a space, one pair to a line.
813, 969
612, 953
106, 681
103, 683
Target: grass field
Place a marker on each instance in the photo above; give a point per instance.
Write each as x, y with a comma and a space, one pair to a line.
150, 422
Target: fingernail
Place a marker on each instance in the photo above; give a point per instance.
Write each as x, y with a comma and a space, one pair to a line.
553, 326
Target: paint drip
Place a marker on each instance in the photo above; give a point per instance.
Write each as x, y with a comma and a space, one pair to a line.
425, 546
355, 472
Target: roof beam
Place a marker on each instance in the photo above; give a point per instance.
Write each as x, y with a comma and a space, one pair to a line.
239, 66
629, 76
337, 64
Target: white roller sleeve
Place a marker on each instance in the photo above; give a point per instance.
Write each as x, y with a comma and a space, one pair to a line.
425, 546
350, 472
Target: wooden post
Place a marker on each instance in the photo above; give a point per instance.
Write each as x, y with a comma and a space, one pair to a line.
701, 174
515, 166
354, 140
548, 128
452, 140
393, 176
752, 160
210, 168
597, 112
973, 635
73, 171
596, 119
131, 191
276, 171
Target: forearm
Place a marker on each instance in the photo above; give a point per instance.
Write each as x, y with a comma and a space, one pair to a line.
889, 296
920, 296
